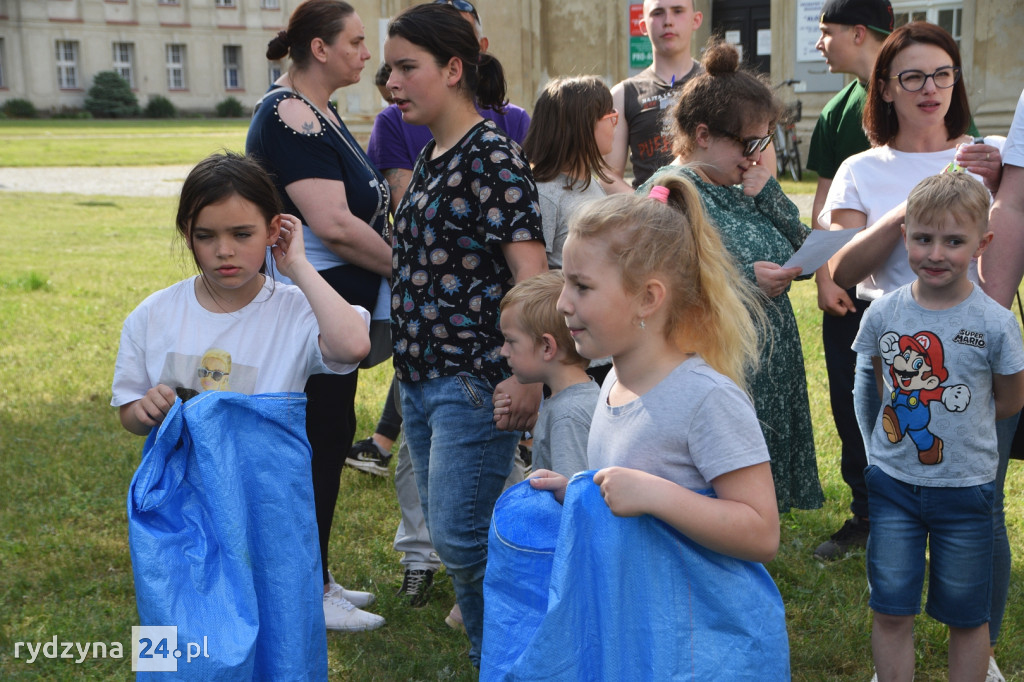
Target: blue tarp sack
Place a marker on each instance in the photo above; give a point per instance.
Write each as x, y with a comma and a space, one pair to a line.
628, 599
223, 538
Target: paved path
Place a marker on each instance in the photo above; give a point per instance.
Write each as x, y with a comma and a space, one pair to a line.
142, 181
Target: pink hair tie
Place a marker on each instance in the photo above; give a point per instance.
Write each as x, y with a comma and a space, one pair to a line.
659, 193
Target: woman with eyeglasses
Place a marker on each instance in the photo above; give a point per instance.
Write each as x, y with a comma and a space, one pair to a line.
721, 124
466, 229
916, 116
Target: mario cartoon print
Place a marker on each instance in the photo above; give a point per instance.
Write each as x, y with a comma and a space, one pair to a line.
916, 365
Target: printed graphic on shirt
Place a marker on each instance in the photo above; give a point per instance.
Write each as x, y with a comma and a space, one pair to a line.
917, 368
189, 375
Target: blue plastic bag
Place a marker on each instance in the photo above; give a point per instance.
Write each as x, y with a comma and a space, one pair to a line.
223, 538
628, 599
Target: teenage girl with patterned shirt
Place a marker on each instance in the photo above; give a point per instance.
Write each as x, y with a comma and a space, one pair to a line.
467, 228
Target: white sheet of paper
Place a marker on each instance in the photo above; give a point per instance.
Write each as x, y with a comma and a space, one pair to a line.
819, 246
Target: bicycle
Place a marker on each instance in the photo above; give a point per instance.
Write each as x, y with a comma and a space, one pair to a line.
787, 144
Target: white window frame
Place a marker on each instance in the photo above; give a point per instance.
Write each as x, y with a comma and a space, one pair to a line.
124, 61
67, 64
274, 72
233, 67
175, 54
270, 4
931, 10
225, 3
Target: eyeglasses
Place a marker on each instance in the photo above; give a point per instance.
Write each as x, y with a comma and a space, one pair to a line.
460, 5
751, 145
215, 374
613, 115
913, 80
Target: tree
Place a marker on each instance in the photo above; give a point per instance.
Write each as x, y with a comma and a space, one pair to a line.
111, 97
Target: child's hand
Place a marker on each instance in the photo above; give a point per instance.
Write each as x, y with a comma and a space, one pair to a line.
625, 491
502, 405
772, 278
149, 410
543, 479
755, 178
289, 250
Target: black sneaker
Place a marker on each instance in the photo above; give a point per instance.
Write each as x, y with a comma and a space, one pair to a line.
368, 457
416, 586
853, 535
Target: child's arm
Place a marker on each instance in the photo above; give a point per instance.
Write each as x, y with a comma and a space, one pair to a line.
742, 522
344, 337
1009, 394
141, 415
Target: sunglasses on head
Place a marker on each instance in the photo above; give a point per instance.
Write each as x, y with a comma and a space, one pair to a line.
460, 5
751, 145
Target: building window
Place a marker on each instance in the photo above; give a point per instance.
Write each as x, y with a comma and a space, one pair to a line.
270, 4
176, 67
232, 67
67, 64
124, 57
274, 72
948, 15
225, 3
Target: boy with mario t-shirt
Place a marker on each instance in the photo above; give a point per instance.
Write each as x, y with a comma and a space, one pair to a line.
949, 362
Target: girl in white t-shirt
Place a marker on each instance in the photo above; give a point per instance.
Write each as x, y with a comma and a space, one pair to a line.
648, 282
232, 320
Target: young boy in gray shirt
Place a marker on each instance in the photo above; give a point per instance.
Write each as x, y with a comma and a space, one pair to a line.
949, 361
538, 348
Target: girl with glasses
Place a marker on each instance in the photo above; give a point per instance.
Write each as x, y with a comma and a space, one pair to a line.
721, 125
916, 116
572, 129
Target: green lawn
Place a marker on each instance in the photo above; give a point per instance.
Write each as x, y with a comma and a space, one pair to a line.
75, 266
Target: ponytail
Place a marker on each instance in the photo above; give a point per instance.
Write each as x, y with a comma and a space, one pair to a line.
491, 83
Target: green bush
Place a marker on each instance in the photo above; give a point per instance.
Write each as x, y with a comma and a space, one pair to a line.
19, 108
230, 108
160, 107
111, 97
70, 113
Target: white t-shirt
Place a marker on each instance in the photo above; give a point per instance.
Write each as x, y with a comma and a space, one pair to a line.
692, 427
1013, 152
269, 346
876, 181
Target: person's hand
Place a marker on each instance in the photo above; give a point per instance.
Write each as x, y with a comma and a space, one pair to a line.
151, 408
755, 178
833, 299
772, 278
502, 405
625, 491
984, 160
524, 401
544, 479
289, 250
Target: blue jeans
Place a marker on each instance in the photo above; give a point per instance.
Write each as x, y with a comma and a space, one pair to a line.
867, 404
461, 461
956, 526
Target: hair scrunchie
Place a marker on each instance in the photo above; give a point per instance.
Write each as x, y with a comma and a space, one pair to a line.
659, 193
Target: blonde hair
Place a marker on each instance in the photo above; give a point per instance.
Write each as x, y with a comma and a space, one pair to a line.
956, 194
712, 309
538, 315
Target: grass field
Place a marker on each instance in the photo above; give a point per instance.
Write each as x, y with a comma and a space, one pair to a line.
75, 266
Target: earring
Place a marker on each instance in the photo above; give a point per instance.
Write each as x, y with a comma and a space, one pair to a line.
642, 324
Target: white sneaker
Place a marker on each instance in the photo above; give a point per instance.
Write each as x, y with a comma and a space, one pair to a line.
341, 614
360, 600
994, 674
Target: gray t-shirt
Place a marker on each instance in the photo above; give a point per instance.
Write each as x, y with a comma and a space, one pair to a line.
557, 204
937, 366
691, 428
560, 434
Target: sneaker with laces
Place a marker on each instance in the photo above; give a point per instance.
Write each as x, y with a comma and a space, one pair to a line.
416, 586
994, 674
370, 458
853, 535
358, 599
340, 614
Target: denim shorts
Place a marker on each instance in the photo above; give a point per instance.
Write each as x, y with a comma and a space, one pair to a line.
956, 526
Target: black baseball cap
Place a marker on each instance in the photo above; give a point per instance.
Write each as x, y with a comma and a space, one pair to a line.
875, 14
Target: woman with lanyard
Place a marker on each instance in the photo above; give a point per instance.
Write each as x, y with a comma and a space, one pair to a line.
327, 181
467, 229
